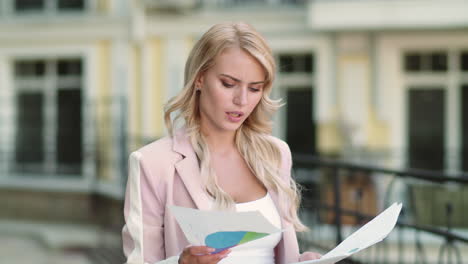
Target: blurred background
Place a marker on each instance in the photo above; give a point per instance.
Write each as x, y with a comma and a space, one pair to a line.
376, 95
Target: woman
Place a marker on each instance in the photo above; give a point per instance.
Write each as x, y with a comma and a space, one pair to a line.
223, 158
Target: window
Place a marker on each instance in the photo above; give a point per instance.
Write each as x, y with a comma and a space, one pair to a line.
25, 69
433, 143
296, 79
426, 116
426, 127
438, 61
435, 61
70, 4
69, 67
413, 62
464, 61
27, 6
464, 127
248, 1
289, 63
300, 129
30, 122
49, 116
271, 2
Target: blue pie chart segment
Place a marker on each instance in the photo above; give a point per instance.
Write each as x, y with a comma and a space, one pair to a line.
227, 239
223, 240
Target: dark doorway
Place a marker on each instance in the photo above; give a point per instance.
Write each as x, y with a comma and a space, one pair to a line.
29, 135
69, 136
464, 127
300, 131
426, 119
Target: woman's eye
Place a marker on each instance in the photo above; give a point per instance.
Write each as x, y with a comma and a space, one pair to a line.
227, 85
256, 88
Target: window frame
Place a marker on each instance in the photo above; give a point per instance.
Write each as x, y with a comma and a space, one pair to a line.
49, 182
49, 86
322, 80
294, 80
50, 8
451, 80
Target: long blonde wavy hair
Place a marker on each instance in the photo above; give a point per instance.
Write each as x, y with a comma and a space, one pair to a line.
261, 154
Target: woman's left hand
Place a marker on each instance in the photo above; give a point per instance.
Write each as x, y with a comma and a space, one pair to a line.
309, 256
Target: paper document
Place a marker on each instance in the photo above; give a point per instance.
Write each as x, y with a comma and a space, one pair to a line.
371, 233
222, 229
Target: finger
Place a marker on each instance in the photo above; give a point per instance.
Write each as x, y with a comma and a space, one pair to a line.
200, 250
214, 258
310, 256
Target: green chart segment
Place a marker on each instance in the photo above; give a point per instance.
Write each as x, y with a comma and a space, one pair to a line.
227, 239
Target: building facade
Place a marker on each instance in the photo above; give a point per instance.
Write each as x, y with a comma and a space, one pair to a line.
83, 83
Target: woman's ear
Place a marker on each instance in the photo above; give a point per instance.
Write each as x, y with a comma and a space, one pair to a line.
199, 82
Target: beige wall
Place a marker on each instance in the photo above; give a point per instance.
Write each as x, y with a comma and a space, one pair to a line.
104, 111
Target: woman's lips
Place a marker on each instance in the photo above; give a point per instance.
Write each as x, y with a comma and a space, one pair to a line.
234, 116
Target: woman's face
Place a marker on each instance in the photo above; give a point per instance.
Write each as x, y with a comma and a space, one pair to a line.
230, 90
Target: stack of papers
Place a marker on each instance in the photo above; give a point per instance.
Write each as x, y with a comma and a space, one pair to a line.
221, 230
371, 233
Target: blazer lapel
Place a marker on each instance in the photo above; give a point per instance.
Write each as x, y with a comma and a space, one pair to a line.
189, 170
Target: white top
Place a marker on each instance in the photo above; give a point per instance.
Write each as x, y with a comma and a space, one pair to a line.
260, 251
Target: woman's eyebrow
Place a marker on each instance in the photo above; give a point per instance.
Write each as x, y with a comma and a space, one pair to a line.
237, 80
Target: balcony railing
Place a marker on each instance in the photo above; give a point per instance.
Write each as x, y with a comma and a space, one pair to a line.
339, 197
250, 3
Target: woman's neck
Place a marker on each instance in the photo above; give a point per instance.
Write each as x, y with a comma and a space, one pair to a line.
220, 143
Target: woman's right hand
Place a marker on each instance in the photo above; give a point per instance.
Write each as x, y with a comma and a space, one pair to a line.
201, 255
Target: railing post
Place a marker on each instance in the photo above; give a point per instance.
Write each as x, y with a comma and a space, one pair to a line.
337, 194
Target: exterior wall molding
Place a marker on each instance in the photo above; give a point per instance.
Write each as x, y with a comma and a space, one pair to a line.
342, 15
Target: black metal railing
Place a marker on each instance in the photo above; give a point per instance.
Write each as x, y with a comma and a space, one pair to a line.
431, 226
253, 3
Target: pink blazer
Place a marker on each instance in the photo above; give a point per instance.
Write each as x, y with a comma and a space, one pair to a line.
166, 172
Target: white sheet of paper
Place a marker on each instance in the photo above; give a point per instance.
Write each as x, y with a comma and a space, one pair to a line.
197, 224
371, 233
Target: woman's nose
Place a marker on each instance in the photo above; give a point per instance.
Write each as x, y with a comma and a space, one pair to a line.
240, 97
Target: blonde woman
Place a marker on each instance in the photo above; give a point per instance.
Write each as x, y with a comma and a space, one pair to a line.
222, 158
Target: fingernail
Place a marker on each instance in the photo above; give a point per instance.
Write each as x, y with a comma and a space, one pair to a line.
211, 249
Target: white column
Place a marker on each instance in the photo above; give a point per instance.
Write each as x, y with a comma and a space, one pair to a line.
452, 114
5, 8
121, 8
6, 117
353, 83
325, 96
146, 99
89, 115
175, 61
119, 87
92, 6
176, 52
50, 117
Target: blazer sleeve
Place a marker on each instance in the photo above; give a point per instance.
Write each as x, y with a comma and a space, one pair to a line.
142, 234
288, 249
286, 160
